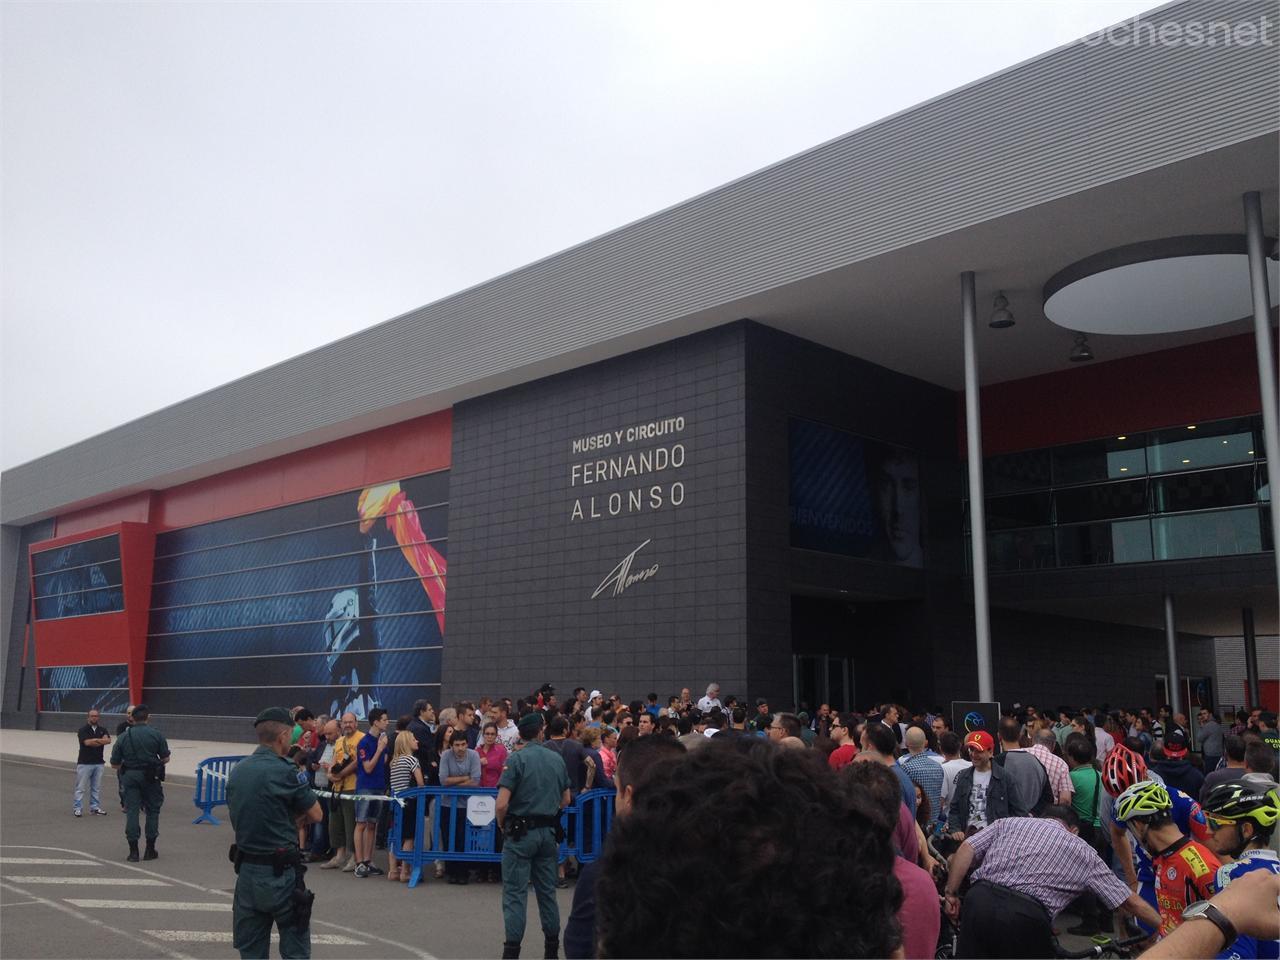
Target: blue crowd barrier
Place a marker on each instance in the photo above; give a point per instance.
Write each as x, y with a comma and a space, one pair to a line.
211, 786
586, 824
592, 816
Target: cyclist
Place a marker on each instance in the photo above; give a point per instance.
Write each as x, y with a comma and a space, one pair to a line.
1184, 868
1122, 768
1243, 815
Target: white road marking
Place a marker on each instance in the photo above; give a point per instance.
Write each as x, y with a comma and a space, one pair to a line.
150, 944
19, 903
97, 881
51, 861
220, 936
176, 905
98, 861
53, 766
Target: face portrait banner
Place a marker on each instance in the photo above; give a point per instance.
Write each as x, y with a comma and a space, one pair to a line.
854, 496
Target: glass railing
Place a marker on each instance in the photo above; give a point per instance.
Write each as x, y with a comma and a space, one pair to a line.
1233, 531
1210, 533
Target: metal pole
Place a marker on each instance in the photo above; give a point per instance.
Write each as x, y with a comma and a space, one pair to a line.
1171, 643
977, 503
1250, 659
1262, 344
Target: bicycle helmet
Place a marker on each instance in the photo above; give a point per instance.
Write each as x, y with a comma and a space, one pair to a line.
1253, 797
1146, 798
1121, 769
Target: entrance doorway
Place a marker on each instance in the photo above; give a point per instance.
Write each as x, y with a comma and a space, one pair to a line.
821, 678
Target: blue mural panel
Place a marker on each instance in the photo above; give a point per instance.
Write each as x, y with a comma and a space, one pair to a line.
78, 579
103, 687
356, 580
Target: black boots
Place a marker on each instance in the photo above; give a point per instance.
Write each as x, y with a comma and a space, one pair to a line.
133, 851
150, 852
551, 948
511, 951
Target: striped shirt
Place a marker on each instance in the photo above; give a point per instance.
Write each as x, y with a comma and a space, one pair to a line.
402, 772
1042, 859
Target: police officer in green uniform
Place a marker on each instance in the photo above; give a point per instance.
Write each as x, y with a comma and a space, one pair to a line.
534, 788
267, 803
138, 758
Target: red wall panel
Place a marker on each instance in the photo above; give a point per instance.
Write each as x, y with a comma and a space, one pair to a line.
407, 449
1204, 381
418, 446
133, 509
119, 637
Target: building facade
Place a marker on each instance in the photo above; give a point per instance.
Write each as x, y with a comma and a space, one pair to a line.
726, 443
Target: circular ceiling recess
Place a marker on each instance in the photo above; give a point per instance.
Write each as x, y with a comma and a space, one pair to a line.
1162, 286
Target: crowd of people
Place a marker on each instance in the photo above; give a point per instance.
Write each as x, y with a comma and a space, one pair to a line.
843, 833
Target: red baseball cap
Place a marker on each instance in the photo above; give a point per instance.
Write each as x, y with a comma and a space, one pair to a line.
1175, 745
980, 739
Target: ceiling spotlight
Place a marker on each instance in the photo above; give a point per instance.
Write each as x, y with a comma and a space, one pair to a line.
1000, 315
1080, 349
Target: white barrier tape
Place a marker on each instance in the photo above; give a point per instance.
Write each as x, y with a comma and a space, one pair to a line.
324, 793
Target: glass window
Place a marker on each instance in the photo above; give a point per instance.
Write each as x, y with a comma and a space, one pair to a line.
1263, 483
1201, 445
1015, 472
1020, 549
1115, 458
1022, 510
1120, 541
1104, 502
1204, 490
1217, 533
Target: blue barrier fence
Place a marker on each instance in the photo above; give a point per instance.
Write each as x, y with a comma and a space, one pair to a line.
211, 786
454, 837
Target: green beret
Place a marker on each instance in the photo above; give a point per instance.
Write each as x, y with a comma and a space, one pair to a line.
277, 714
529, 725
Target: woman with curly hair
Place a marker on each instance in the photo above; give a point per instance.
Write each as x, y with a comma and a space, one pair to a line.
748, 850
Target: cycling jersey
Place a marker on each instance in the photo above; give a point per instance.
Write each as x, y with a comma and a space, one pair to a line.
1185, 872
1249, 947
1186, 814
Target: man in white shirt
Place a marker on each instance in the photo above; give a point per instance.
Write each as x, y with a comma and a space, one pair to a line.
595, 706
712, 700
508, 731
952, 764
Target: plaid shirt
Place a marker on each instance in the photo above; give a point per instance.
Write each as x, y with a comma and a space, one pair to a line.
925, 773
1057, 769
1045, 861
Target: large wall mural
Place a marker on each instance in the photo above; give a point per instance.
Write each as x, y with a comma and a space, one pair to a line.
337, 604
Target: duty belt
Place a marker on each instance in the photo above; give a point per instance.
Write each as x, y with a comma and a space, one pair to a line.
280, 859
516, 827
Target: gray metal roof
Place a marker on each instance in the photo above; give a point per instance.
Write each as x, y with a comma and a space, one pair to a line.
1073, 119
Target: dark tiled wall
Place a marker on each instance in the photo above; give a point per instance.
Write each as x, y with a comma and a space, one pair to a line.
17, 594
789, 377
522, 573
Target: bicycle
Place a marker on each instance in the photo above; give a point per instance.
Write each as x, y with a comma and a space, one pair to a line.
1103, 946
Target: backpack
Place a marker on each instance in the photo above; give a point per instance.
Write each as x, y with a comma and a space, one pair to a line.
1046, 798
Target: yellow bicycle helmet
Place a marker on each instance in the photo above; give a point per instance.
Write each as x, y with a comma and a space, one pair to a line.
1146, 798
1253, 797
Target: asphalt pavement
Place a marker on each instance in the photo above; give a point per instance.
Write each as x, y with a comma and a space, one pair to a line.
67, 891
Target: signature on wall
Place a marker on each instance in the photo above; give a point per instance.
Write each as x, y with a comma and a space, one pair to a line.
621, 577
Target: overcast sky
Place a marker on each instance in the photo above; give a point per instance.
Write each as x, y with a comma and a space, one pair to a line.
194, 191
